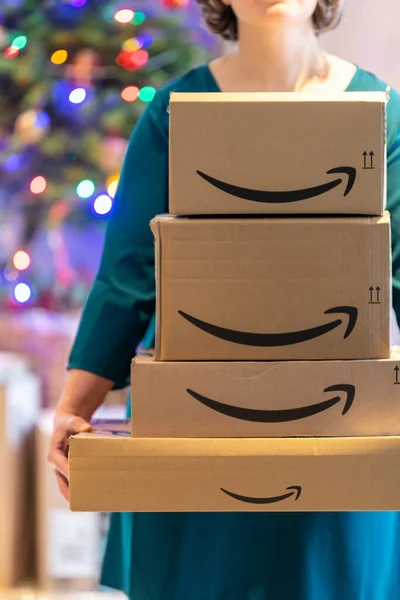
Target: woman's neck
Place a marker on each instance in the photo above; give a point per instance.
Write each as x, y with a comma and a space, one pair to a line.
275, 61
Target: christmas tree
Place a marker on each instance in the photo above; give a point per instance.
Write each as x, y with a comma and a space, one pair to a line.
75, 75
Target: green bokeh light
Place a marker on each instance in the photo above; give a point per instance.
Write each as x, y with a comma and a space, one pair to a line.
138, 18
147, 94
19, 42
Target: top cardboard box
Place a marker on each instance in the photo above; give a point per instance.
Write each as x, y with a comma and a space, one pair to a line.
250, 153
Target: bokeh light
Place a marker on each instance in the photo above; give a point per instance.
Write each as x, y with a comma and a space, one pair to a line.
19, 42
77, 96
21, 260
12, 163
38, 185
22, 293
124, 15
103, 204
85, 188
11, 52
130, 93
78, 3
147, 93
144, 40
131, 45
112, 188
59, 57
138, 18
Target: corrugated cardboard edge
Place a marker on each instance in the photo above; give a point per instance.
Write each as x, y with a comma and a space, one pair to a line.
156, 229
260, 97
384, 154
171, 195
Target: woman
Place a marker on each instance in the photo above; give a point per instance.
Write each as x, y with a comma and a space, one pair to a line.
223, 556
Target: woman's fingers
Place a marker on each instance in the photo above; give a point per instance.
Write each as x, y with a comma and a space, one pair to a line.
62, 483
65, 426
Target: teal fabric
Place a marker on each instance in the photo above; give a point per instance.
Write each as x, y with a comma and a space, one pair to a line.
253, 556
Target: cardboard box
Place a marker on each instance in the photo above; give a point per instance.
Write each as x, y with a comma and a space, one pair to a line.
68, 544
272, 288
19, 406
120, 473
278, 153
266, 399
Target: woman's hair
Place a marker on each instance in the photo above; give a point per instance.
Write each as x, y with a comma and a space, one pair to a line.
221, 19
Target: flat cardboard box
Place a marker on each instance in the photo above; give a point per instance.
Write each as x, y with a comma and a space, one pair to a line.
277, 153
120, 474
20, 396
266, 399
273, 288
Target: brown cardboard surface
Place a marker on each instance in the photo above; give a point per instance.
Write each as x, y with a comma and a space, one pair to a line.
19, 405
266, 399
278, 153
272, 288
111, 473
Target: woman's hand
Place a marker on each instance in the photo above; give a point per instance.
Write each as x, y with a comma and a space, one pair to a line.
83, 394
65, 425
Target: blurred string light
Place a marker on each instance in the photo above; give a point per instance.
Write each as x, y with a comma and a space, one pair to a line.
59, 57
13, 163
21, 260
131, 45
22, 293
138, 18
38, 185
112, 185
147, 93
78, 3
42, 120
124, 16
11, 52
85, 188
103, 204
77, 96
19, 42
130, 93
144, 40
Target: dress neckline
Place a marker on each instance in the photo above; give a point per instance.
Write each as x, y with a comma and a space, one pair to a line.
216, 88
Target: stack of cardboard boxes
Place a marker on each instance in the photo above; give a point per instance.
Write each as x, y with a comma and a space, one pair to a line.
272, 387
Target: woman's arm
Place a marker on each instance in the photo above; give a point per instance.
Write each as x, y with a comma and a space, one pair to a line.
122, 300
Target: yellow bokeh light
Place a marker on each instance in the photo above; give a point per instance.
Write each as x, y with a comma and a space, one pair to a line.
131, 45
112, 189
59, 57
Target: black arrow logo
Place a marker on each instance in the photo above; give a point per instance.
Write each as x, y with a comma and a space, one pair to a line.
296, 492
247, 338
280, 416
274, 197
396, 370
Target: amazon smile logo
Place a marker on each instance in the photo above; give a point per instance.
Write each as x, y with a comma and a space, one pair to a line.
295, 491
283, 415
246, 338
274, 197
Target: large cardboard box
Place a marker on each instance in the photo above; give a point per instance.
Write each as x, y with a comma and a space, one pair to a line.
266, 399
278, 153
20, 396
272, 288
120, 473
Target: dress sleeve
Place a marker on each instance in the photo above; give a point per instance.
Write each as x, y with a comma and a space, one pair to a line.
122, 300
393, 193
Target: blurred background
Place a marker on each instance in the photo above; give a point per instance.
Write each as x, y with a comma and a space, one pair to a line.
75, 75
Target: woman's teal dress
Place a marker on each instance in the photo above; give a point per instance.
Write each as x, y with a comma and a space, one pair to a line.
214, 556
